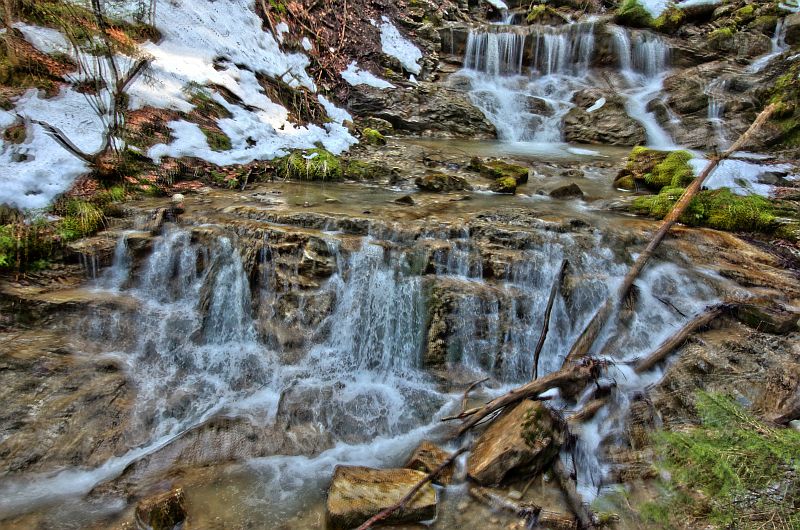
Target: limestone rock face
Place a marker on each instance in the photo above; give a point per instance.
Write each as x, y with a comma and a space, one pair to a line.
608, 124
525, 437
358, 493
428, 109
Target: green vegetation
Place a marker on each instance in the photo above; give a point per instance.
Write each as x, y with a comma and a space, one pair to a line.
498, 169
670, 20
504, 185
721, 34
674, 171
363, 170
372, 137
217, 140
732, 471
632, 13
81, 218
205, 105
312, 164
786, 94
539, 12
720, 209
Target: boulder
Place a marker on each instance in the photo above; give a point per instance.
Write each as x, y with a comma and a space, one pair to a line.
770, 319
358, 493
427, 109
427, 457
792, 25
440, 182
641, 162
162, 512
594, 121
505, 185
523, 438
569, 191
498, 169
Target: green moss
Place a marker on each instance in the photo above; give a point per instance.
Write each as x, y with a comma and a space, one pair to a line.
721, 34
82, 219
670, 20
361, 170
720, 209
217, 140
539, 13
8, 247
372, 137
674, 171
498, 169
745, 14
626, 182
632, 13
312, 164
504, 185
204, 104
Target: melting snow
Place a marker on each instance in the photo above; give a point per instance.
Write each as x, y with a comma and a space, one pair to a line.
741, 176
499, 4
356, 76
397, 46
655, 7
45, 40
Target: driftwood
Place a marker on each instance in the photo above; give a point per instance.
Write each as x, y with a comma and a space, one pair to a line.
469, 389
599, 320
399, 505
668, 346
547, 313
578, 374
588, 411
531, 513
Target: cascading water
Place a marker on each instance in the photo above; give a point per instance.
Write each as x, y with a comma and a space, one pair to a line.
778, 47
643, 62
524, 81
189, 341
716, 110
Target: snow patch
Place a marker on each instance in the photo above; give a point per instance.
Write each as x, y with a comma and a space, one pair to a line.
356, 76
306, 44
282, 29
45, 40
599, 104
397, 46
499, 4
336, 114
655, 7
741, 176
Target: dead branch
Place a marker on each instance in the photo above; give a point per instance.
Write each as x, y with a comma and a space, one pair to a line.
588, 411
546, 325
578, 374
593, 328
668, 346
531, 513
469, 389
410, 495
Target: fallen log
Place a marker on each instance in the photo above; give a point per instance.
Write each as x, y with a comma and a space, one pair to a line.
469, 389
668, 346
571, 376
399, 505
546, 325
600, 318
588, 411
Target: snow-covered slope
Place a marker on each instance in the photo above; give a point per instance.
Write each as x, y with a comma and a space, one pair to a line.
205, 42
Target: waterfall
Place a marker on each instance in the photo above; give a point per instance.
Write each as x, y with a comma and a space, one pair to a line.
643, 62
524, 81
778, 47
716, 110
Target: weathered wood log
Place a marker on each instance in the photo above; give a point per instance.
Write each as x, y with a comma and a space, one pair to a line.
546, 324
588, 411
469, 389
574, 375
410, 495
672, 343
600, 318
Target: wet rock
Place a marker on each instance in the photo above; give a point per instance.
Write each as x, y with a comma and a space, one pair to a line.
523, 438
569, 191
366, 170
382, 126
441, 182
427, 457
406, 200
573, 173
686, 92
358, 493
599, 117
768, 318
499, 169
162, 512
792, 24
505, 185
428, 109
641, 162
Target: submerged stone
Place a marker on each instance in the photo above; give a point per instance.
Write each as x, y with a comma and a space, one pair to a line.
567, 192
162, 512
523, 438
440, 182
358, 493
504, 185
499, 169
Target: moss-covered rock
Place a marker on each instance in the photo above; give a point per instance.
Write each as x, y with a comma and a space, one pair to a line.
362, 170
498, 169
720, 209
670, 20
543, 14
311, 164
372, 137
437, 181
673, 171
632, 13
504, 185
641, 161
